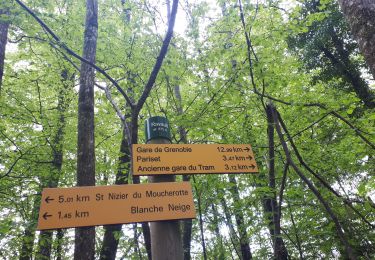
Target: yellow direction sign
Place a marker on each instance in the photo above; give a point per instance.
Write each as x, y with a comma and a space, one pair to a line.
162, 159
102, 205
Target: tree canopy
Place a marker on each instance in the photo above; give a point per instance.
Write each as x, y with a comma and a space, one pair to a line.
287, 78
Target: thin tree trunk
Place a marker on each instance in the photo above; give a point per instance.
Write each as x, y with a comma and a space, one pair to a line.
110, 242
45, 245
145, 227
232, 232
147, 238
220, 254
29, 234
45, 237
198, 194
4, 25
202, 230
59, 242
182, 131
134, 139
85, 237
187, 224
298, 240
137, 250
238, 215
270, 204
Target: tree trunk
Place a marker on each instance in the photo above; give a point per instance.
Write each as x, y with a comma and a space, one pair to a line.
219, 247
29, 234
45, 245
360, 15
187, 224
59, 243
4, 25
110, 242
145, 227
45, 237
137, 250
229, 223
50, 181
198, 194
271, 206
85, 237
352, 76
238, 215
296, 232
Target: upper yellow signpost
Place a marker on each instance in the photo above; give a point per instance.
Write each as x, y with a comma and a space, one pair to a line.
164, 159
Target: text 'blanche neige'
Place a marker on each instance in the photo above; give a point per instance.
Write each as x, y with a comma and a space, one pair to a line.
172, 207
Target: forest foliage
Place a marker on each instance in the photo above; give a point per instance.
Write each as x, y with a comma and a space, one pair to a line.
284, 76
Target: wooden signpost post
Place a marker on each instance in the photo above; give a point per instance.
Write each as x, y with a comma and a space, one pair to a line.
166, 241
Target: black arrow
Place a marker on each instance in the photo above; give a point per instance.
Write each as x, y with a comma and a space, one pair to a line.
48, 199
252, 166
45, 216
250, 158
247, 149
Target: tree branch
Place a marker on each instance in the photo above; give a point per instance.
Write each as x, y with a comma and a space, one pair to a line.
159, 60
71, 52
334, 113
325, 184
282, 187
339, 228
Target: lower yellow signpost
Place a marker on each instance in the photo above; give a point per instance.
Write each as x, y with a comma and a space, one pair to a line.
103, 205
